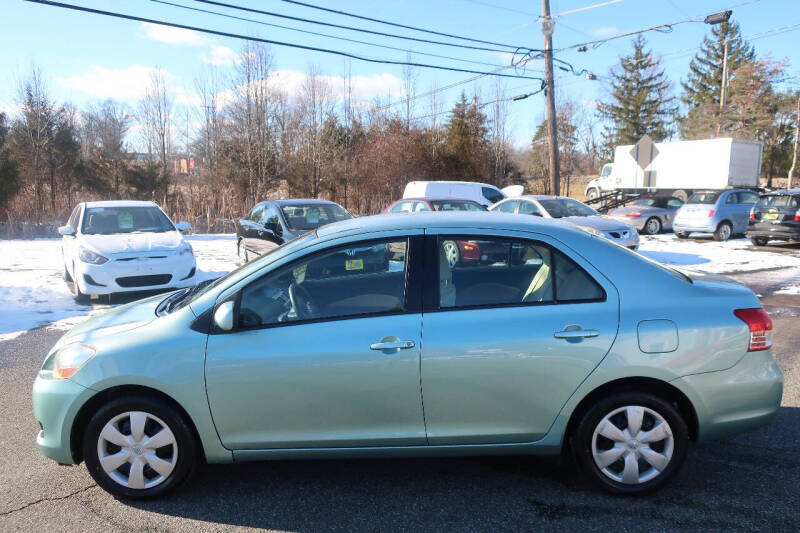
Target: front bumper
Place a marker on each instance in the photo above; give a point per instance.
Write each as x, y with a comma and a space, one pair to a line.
138, 275
738, 399
56, 403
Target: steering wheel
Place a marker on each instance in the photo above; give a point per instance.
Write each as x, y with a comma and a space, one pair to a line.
301, 302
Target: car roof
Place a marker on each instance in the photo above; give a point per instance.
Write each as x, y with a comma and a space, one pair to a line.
302, 201
435, 199
466, 220
454, 182
539, 197
782, 192
120, 203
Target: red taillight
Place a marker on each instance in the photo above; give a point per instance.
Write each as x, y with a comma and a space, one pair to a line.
711, 213
752, 216
633, 215
797, 216
760, 324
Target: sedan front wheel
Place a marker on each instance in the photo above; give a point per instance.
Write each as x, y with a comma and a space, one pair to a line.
631, 443
138, 447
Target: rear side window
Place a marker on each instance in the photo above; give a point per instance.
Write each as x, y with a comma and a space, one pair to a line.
491, 194
481, 272
528, 208
507, 207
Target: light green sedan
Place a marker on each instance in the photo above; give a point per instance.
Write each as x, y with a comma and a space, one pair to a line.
362, 340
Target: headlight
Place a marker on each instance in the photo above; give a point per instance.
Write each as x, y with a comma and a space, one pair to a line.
185, 248
88, 256
70, 358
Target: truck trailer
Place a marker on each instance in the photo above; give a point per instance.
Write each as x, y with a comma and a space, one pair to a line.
681, 167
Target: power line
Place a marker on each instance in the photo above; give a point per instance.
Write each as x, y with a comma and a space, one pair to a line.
380, 21
309, 32
351, 28
270, 41
501, 8
484, 104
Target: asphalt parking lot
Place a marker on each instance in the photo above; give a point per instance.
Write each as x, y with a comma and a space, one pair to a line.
749, 482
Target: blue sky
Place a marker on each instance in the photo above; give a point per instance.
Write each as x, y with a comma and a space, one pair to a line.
86, 58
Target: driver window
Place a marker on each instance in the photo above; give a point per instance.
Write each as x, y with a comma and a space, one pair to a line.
528, 208
358, 279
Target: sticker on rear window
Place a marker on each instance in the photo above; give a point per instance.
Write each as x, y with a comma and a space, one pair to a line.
354, 264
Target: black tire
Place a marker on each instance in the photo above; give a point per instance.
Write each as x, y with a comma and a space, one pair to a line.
759, 241
79, 297
184, 439
723, 232
652, 226
584, 435
681, 235
592, 194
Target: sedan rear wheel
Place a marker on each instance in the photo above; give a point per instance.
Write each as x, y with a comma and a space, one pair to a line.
451, 253
759, 241
631, 443
138, 448
652, 226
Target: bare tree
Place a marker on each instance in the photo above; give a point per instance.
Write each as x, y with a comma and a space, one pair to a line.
315, 105
155, 115
105, 127
498, 123
410, 76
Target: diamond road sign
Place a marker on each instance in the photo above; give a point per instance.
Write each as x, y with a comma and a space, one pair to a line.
644, 151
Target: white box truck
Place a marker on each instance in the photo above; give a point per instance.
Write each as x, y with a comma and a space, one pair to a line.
680, 167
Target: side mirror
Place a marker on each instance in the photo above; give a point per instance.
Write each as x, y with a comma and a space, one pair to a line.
67, 231
183, 227
223, 316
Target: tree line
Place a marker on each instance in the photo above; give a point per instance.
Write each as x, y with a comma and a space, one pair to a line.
248, 139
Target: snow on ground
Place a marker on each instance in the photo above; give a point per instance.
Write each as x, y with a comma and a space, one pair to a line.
707, 255
33, 292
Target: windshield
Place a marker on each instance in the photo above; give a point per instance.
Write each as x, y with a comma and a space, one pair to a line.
125, 219
567, 207
456, 205
311, 216
703, 198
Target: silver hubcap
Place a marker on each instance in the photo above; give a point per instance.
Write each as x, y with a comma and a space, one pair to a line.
725, 232
653, 226
632, 444
451, 253
137, 450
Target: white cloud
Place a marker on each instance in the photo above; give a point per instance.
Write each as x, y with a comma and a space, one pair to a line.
170, 35
104, 82
605, 31
222, 56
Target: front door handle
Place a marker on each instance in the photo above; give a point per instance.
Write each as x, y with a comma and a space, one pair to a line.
391, 345
575, 332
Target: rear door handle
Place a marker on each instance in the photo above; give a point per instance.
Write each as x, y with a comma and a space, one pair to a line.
576, 333
391, 345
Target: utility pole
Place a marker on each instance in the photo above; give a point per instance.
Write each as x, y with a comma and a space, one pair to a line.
796, 143
549, 84
723, 93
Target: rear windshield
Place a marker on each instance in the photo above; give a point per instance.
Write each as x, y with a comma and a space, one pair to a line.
703, 198
779, 200
567, 207
645, 201
309, 217
456, 205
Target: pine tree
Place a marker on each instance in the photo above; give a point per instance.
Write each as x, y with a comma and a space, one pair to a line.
705, 71
466, 146
641, 102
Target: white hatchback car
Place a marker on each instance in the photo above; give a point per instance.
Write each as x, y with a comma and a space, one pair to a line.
124, 246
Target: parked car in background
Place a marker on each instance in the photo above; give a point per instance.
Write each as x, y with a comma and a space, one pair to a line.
421, 205
555, 349
775, 216
573, 212
482, 193
124, 246
274, 222
649, 215
723, 213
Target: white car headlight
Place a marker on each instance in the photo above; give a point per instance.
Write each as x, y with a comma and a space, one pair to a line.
88, 256
70, 358
185, 248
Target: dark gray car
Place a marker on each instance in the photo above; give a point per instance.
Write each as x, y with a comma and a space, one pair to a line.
274, 222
